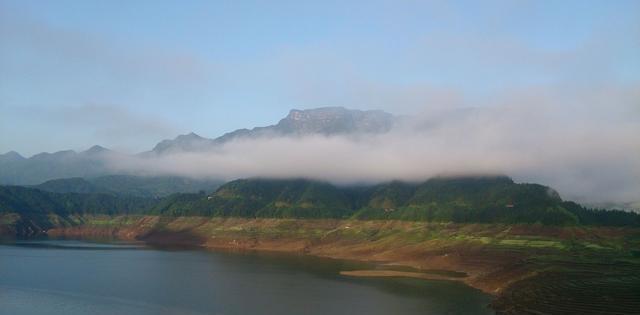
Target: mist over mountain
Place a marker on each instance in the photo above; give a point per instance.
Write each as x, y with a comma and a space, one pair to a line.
326, 121
530, 143
96, 161
15, 169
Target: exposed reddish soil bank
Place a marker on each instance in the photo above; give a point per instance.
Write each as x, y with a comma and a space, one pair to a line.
97, 228
497, 259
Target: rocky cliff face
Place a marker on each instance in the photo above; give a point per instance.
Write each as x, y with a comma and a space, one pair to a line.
335, 120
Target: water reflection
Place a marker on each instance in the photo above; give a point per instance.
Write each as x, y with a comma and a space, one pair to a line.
71, 277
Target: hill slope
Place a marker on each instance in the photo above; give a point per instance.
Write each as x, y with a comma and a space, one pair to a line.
127, 185
470, 199
27, 211
461, 200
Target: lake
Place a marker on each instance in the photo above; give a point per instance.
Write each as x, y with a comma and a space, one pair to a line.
74, 277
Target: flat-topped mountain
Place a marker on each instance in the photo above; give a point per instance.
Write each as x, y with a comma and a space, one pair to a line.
333, 121
326, 121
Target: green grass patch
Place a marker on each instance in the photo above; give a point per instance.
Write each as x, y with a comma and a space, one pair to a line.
594, 246
532, 243
9, 219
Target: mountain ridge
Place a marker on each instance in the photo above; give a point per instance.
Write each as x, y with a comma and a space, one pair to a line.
38, 168
326, 121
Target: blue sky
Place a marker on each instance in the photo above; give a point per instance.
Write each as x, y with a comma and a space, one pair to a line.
126, 74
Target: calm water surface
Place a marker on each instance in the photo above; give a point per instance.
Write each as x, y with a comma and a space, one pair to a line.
71, 277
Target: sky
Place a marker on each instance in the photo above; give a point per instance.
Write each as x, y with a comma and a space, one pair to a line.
127, 74
543, 91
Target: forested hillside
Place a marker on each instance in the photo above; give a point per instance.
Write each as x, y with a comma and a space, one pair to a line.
469, 199
30, 211
460, 200
128, 185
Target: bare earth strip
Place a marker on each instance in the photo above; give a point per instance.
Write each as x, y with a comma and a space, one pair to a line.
393, 273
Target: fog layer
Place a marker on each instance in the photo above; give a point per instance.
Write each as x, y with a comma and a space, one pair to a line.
588, 148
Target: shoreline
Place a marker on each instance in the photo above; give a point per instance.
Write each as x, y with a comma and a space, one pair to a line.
504, 261
419, 273
397, 274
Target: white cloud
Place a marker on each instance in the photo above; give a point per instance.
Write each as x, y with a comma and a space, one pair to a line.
587, 152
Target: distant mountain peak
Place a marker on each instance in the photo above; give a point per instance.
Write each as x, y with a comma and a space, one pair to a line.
186, 142
335, 120
323, 112
324, 121
96, 149
12, 155
297, 114
190, 136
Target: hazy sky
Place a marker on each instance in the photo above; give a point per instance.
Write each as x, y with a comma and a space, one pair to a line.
126, 74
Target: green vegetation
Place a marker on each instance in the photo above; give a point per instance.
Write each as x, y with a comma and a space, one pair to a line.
519, 241
33, 201
459, 200
40, 210
463, 200
127, 185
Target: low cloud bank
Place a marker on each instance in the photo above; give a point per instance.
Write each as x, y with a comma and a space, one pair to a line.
588, 152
